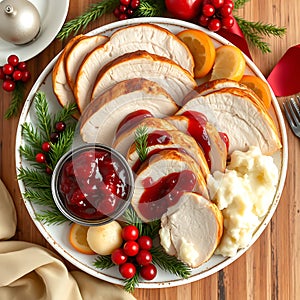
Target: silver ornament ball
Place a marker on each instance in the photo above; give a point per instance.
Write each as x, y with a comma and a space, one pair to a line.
19, 21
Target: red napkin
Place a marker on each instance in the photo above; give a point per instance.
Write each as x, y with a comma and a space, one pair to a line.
284, 78
236, 37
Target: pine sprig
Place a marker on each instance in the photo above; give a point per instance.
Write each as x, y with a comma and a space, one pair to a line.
42, 112
33, 178
81, 22
240, 3
255, 31
16, 101
51, 217
61, 146
141, 144
150, 9
40, 197
169, 263
103, 262
131, 283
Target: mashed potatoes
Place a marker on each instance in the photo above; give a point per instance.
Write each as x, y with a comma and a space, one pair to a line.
244, 194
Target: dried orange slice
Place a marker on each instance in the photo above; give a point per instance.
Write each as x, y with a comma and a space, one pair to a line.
229, 63
78, 240
260, 88
202, 49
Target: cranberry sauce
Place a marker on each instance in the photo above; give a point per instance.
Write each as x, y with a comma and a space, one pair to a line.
93, 184
196, 129
165, 192
132, 120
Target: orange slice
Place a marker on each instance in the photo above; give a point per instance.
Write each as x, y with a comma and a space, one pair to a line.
78, 240
229, 63
202, 49
260, 88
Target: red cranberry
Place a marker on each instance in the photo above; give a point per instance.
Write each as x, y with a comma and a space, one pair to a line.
127, 270
148, 272
40, 158
8, 85
13, 60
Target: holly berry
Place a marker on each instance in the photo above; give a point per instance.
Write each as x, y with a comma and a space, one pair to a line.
8, 85
148, 272
143, 258
118, 257
130, 233
131, 248
60, 126
13, 60
127, 270
145, 242
40, 158
12, 72
54, 136
126, 9
215, 14
214, 24
46, 146
8, 69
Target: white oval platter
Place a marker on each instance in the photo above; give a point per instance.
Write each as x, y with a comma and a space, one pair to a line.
57, 235
53, 14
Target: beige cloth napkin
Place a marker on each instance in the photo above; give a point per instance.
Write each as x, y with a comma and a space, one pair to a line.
28, 271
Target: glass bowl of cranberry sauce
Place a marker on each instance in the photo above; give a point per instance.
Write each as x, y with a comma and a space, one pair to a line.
92, 185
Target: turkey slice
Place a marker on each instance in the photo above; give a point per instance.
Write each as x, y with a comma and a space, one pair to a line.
234, 112
191, 230
77, 53
169, 75
102, 117
125, 140
170, 139
148, 37
154, 172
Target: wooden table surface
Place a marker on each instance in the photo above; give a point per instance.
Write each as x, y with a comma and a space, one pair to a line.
270, 268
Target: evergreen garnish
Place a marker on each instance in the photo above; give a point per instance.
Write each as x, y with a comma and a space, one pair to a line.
150, 9
34, 177
80, 23
141, 144
16, 101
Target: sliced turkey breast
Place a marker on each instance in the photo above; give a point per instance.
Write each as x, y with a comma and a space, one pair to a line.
212, 86
169, 75
148, 37
169, 139
213, 146
162, 179
102, 117
191, 230
125, 140
77, 53
245, 122
61, 87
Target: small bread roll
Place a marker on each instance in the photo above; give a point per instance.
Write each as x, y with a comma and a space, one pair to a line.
106, 238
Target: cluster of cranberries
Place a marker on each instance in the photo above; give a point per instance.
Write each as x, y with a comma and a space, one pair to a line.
126, 9
216, 14
134, 255
13, 71
41, 157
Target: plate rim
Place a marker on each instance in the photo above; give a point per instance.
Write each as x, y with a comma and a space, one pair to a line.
193, 277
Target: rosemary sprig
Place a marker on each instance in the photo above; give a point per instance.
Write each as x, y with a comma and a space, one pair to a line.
169, 263
16, 101
150, 9
141, 144
31, 135
80, 23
